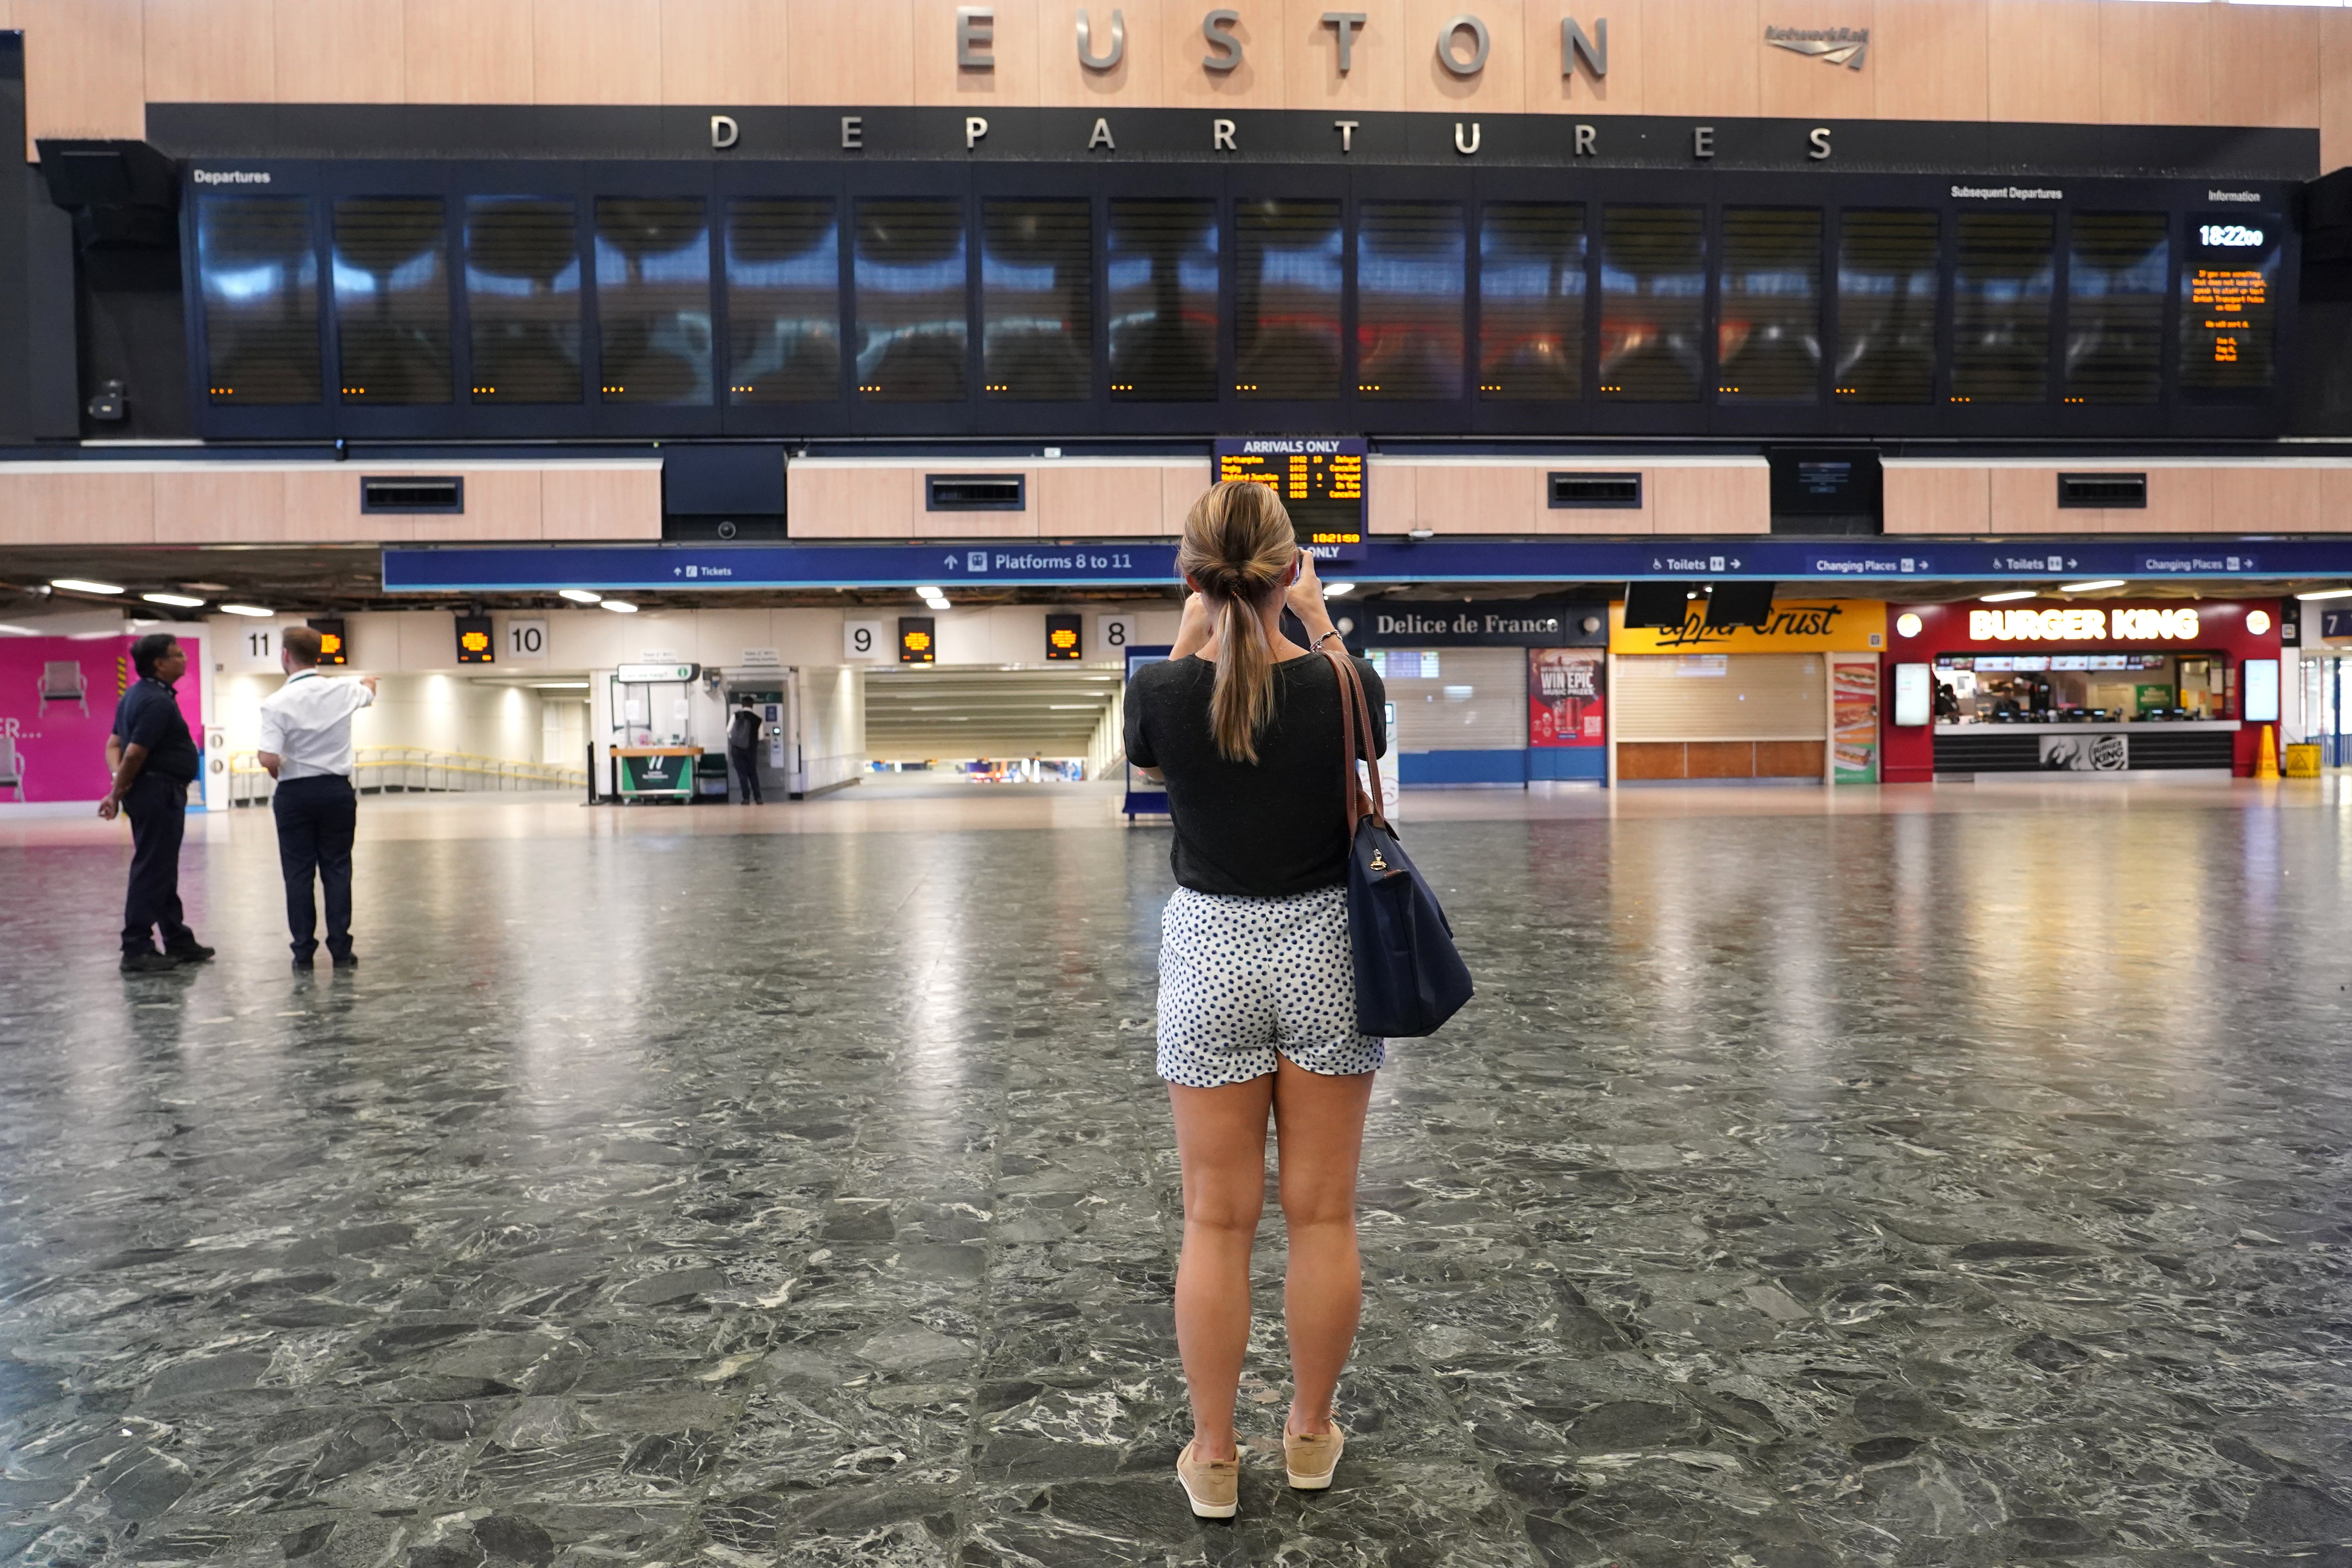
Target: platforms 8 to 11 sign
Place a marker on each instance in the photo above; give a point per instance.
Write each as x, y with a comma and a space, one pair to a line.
1321, 480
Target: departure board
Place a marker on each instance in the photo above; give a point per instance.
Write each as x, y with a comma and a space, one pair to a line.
652, 299
1889, 277
1768, 327
2116, 274
1652, 302
1286, 290
1320, 478
260, 271
2229, 303
1163, 275
392, 299
783, 300
1409, 270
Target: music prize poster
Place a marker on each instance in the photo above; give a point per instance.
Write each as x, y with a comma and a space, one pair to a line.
1565, 700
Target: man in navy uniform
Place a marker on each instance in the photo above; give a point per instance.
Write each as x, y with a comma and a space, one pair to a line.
154, 760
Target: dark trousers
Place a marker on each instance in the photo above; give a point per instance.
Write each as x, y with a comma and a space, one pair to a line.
317, 818
747, 774
158, 810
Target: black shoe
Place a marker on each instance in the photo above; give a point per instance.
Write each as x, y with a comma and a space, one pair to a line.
347, 961
189, 952
147, 961
305, 960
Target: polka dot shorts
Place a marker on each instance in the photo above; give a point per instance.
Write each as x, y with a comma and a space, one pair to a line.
1242, 978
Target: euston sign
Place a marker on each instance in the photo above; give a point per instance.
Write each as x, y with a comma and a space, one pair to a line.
2079, 625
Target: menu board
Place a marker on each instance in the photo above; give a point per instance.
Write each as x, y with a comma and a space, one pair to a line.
1320, 478
2229, 302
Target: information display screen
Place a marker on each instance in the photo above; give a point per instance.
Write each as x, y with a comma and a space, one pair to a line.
784, 300
1286, 290
392, 299
1320, 478
652, 299
2116, 275
1652, 302
1037, 298
1163, 275
1531, 302
1769, 323
910, 273
1410, 272
522, 294
2001, 280
260, 271
1890, 278
2229, 303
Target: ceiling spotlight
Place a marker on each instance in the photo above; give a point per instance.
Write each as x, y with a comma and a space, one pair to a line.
247, 610
940, 603
927, 593
2004, 598
84, 586
620, 606
2326, 594
2090, 587
580, 596
177, 601
1333, 590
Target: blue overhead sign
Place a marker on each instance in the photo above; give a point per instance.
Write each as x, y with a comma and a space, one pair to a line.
543, 568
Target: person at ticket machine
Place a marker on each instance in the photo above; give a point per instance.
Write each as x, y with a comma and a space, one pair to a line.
742, 738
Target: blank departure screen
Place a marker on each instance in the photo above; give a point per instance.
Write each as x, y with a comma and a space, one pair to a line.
260, 278
522, 292
1653, 304
2229, 303
1889, 274
1037, 300
392, 299
912, 270
1411, 264
2001, 287
784, 300
1163, 268
2116, 273
1286, 300
1769, 307
652, 299
1531, 302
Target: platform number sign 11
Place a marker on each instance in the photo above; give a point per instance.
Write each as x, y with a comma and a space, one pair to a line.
477, 640
1063, 635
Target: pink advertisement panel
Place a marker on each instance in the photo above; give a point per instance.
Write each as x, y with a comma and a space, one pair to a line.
56, 708
1566, 703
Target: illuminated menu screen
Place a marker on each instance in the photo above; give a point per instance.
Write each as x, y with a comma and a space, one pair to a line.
1320, 480
2229, 302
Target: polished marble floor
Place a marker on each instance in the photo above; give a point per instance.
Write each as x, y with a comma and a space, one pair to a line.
1938, 1177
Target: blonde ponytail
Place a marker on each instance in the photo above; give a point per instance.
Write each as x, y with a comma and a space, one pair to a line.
1238, 547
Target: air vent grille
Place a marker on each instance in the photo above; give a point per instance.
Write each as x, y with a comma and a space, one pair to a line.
413, 495
1622, 490
975, 493
2103, 491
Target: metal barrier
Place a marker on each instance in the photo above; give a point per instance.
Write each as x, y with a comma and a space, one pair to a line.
388, 770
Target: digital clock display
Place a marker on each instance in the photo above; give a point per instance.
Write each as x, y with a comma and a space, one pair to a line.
1321, 480
2228, 310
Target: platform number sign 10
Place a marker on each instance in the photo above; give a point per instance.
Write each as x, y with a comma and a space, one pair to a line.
525, 642
477, 640
1063, 634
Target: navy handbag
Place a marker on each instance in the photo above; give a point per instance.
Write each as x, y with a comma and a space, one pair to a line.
1409, 978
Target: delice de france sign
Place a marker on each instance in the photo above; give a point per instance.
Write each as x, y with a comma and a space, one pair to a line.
1495, 623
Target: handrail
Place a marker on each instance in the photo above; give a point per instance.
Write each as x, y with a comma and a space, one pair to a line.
418, 768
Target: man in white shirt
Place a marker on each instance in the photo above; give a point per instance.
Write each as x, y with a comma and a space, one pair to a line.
306, 745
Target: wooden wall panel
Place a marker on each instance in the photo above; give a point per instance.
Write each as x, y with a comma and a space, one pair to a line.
1928, 56
2331, 499
340, 51
1255, 83
500, 503
851, 501
600, 501
2273, 497
2265, 64
1499, 88
85, 506
723, 52
85, 67
1475, 498
1134, 83
1099, 500
2049, 54
469, 51
210, 51
2156, 63
1710, 498
212, 503
2179, 501
596, 51
1014, 81
1790, 759
1937, 500
1549, 89
851, 52
1643, 760
1391, 496
1310, 55
2335, 87
1699, 57
1792, 86
2025, 500
322, 505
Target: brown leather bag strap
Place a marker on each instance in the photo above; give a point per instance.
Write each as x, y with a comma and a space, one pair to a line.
1354, 711
1371, 760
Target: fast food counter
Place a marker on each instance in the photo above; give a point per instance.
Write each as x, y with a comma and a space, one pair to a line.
2112, 748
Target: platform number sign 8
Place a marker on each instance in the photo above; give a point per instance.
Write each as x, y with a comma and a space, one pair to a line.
1113, 636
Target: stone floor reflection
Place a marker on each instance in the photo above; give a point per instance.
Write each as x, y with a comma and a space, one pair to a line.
1903, 1188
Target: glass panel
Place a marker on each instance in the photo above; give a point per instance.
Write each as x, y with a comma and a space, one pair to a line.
912, 273
2229, 302
2117, 271
392, 299
1652, 302
1411, 266
1037, 300
522, 292
1286, 300
259, 272
1768, 334
2000, 309
652, 299
784, 300
1531, 302
1163, 302
1888, 275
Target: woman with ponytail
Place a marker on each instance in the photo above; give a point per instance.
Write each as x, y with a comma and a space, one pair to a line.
1258, 999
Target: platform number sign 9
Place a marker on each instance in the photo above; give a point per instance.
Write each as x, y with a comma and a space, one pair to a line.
919, 640
1063, 634
477, 640
864, 640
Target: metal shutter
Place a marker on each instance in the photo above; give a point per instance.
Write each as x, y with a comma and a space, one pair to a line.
1476, 701
1719, 696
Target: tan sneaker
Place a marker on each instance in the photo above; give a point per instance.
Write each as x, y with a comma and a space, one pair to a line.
1212, 1487
1311, 1460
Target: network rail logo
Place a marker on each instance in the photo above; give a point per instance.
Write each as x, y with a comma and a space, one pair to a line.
1847, 47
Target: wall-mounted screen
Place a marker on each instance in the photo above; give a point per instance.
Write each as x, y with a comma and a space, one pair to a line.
911, 272
652, 299
1889, 284
1653, 304
2001, 285
1161, 273
1914, 695
1037, 300
392, 299
1286, 288
2229, 303
1531, 302
784, 300
1320, 478
2117, 268
1410, 304
1768, 313
260, 268
522, 299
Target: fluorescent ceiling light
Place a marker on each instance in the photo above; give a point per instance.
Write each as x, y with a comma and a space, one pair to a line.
247, 610
1072, 707
580, 596
84, 586
620, 606
2090, 587
939, 605
178, 601
2327, 593
2003, 598
927, 593
558, 686
9, 631
1333, 590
